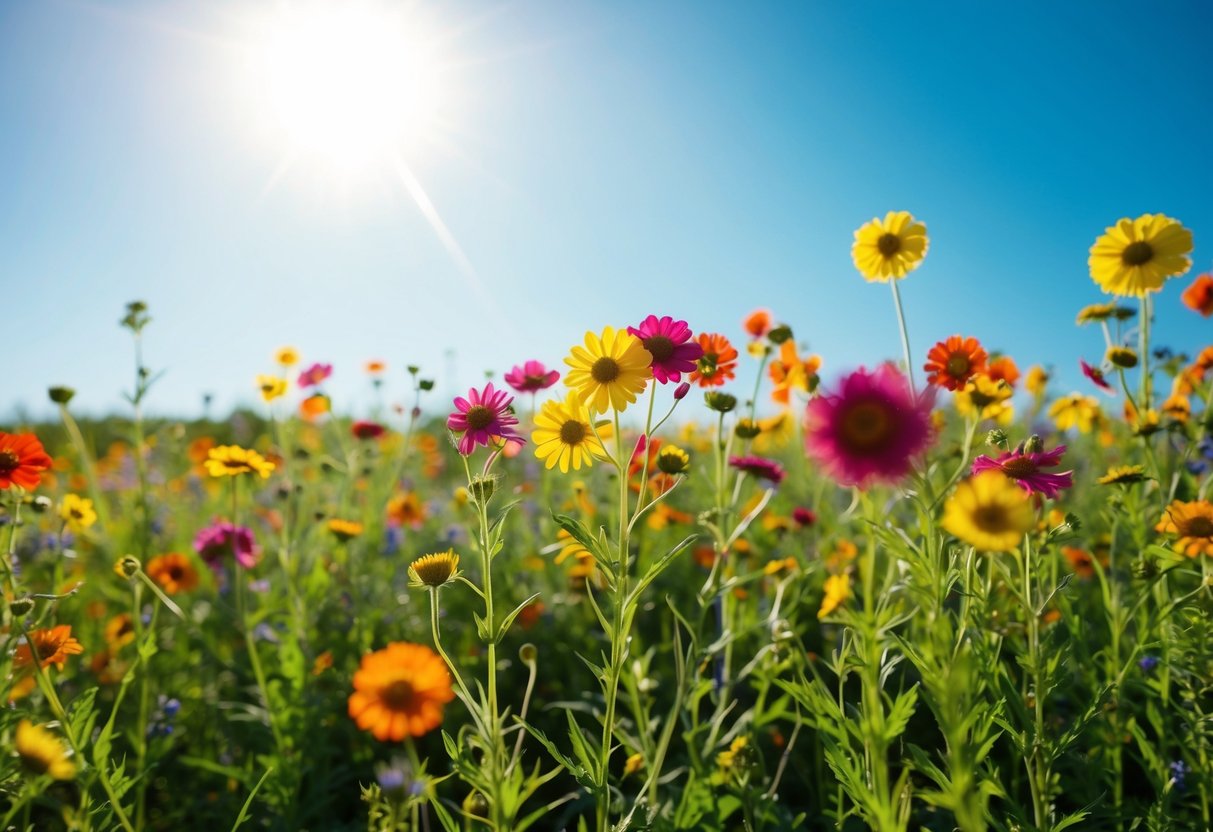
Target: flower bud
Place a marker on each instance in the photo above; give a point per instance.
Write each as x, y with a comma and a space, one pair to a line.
1122, 357
21, 607
680, 392
747, 429
528, 653
1034, 445
128, 566
673, 460
482, 488
41, 504
61, 395
997, 439
720, 402
779, 334
426, 384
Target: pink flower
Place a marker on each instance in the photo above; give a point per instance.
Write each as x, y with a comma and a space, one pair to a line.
759, 468
1025, 468
871, 430
221, 540
669, 342
482, 417
1097, 377
531, 377
315, 374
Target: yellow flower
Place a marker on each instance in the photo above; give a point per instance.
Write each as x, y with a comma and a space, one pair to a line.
775, 431
889, 248
673, 460
774, 567
1123, 475
837, 591
1135, 257
344, 530
287, 356
1037, 380
435, 569
564, 435
1075, 410
989, 512
271, 387
41, 752
1192, 523
232, 460
77, 512
634, 764
984, 398
609, 371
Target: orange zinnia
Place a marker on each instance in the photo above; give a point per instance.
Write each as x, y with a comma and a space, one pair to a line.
1003, 368
757, 323
953, 362
399, 691
52, 644
173, 572
1193, 523
1199, 296
22, 460
718, 363
120, 631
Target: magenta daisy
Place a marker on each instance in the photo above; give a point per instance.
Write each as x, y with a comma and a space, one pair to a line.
222, 540
482, 417
1025, 468
531, 377
1097, 378
669, 342
870, 430
759, 468
315, 374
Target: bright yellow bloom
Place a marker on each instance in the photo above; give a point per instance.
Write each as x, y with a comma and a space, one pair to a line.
344, 529
77, 512
989, 512
634, 764
564, 435
271, 387
1037, 380
775, 431
1192, 523
984, 398
837, 591
609, 371
1123, 475
1135, 257
889, 248
774, 567
41, 752
232, 460
1075, 410
287, 356
435, 569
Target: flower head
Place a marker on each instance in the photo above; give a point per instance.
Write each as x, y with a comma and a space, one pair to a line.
1199, 296
759, 468
989, 512
434, 570
41, 752
22, 461
287, 356
222, 540
1096, 376
363, 429
52, 645
173, 572
1037, 381
399, 692
758, 323
1192, 523
1026, 469
314, 375
1135, 257
1075, 410
564, 435
531, 377
77, 512
669, 343
837, 590
673, 460
232, 461
1003, 368
271, 387
788, 372
1123, 475
718, 363
953, 362
484, 416
870, 429
889, 248
609, 371
344, 530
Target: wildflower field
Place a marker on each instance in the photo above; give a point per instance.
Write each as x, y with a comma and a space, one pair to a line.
612, 590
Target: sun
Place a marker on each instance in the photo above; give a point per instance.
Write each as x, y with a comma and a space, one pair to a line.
345, 85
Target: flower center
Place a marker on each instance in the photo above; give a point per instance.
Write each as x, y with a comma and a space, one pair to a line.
981, 399
660, 347
888, 244
9, 461
479, 417
1198, 527
990, 519
1137, 253
605, 370
398, 695
958, 365
867, 426
707, 365
1019, 467
572, 432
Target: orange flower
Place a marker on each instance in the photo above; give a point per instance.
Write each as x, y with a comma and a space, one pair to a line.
1199, 296
757, 323
406, 510
1003, 368
1193, 523
718, 363
52, 644
399, 691
315, 406
120, 631
22, 461
1080, 561
375, 367
953, 362
790, 372
173, 572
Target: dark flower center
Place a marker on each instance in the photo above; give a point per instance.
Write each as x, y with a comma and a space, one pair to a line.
958, 365
605, 370
660, 347
867, 426
9, 461
1019, 467
479, 417
888, 244
398, 695
991, 519
1197, 527
1137, 253
980, 400
176, 572
572, 432
707, 364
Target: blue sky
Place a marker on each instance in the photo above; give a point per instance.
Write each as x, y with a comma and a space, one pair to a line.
601, 161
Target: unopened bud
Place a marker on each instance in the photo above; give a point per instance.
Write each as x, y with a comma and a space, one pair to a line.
779, 334
128, 566
1034, 445
426, 384
61, 395
482, 488
41, 504
997, 439
746, 429
21, 607
680, 392
720, 402
528, 653
1122, 357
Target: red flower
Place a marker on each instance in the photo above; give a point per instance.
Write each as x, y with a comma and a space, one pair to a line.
367, 430
22, 460
1199, 296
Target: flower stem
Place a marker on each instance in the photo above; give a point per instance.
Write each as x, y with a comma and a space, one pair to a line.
905, 335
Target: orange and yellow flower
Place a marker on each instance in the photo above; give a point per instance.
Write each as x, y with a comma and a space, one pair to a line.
1192, 524
51, 644
953, 362
174, 572
718, 364
400, 691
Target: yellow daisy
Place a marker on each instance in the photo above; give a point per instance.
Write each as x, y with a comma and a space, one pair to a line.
1135, 257
889, 248
435, 569
1075, 410
232, 460
287, 356
989, 512
77, 512
837, 591
609, 371
564, 435
271, 387
984, 398
41, 752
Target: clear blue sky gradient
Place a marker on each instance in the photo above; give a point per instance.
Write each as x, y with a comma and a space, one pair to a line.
606, 160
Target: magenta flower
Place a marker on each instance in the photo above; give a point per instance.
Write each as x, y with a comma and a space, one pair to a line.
1025, 468
531, 377
367, 430
759, 468
221, 540
669, 342
1096, 376
315, 374
482, 417
871, 430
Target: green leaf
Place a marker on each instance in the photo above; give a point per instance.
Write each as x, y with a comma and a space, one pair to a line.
509, 619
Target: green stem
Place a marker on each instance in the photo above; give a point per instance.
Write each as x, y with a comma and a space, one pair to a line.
905, 335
